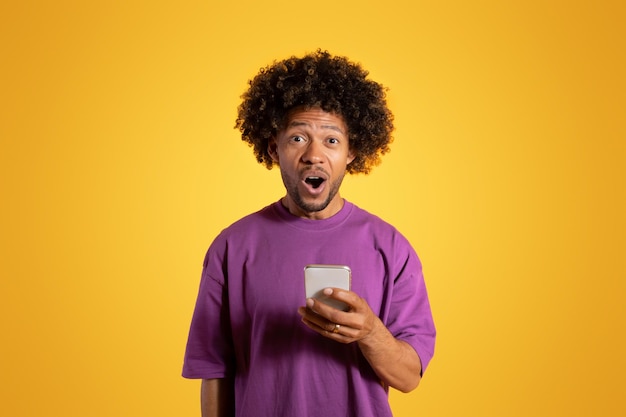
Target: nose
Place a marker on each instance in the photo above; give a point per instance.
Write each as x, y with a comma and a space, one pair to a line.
313, 154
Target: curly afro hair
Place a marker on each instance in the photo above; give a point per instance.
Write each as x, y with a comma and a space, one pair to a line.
332, 83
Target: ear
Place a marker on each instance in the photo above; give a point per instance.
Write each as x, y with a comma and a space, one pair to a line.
351, 156
271, 149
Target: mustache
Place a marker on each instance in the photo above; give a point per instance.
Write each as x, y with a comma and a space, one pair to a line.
314, 172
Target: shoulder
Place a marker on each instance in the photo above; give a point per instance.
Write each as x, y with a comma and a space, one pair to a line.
263, 218
243, 232
384, 235
375, 224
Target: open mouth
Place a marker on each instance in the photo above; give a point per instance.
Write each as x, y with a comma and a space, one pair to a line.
314, 182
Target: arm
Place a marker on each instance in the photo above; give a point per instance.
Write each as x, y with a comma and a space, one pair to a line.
216, 398
404, 371
377, 344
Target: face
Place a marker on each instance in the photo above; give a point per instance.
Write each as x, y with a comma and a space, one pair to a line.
312, 151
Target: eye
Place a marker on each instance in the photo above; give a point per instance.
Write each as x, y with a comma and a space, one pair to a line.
297, 139
333, 141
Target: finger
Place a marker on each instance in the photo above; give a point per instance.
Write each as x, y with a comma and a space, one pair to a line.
323, 313
322, 308
324, 328
317, 322
348, 297
338, 332
315, 319
341, 334
322, 318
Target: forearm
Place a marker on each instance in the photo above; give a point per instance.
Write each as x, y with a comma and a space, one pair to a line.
395, 362
217, 398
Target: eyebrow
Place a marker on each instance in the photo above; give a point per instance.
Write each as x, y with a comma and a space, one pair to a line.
296, 123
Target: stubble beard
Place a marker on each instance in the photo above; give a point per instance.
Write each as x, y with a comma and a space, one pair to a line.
292, 191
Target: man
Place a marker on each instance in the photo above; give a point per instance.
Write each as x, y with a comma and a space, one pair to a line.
258, 350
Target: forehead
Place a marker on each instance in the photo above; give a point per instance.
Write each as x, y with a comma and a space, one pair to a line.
315, 118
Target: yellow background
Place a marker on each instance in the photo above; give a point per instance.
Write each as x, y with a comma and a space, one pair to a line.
119, 164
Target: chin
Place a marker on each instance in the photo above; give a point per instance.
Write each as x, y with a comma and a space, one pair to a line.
313, 206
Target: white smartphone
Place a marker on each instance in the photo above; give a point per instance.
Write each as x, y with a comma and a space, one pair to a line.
317, 277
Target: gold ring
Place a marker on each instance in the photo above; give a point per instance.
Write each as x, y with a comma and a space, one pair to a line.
336, 329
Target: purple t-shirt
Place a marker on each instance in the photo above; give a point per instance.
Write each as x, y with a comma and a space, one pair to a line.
246, 322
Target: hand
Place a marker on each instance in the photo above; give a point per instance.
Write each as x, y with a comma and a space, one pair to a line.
358, 323
361, 325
